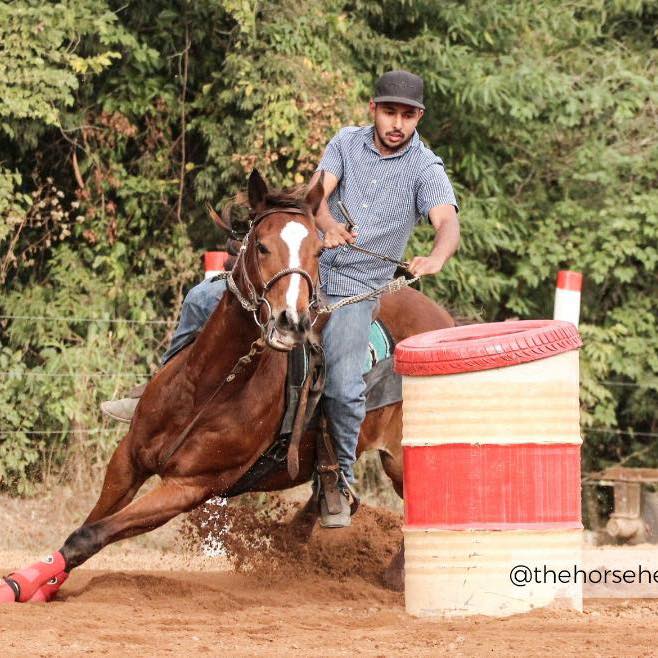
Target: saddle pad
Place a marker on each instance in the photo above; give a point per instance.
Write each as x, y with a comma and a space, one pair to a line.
380, 346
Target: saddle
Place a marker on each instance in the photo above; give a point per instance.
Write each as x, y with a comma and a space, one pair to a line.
304, 387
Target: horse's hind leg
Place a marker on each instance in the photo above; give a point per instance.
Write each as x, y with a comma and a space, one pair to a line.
392, 465
394, 574
148, 512
123, 479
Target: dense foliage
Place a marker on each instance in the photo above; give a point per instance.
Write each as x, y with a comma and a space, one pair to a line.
118, 120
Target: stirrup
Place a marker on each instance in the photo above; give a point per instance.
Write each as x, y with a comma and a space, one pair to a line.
356, 501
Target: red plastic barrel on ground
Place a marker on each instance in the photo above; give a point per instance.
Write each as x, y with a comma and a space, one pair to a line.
491, 441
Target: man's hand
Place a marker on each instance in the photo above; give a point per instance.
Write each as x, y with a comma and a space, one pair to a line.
422, 265
338, 235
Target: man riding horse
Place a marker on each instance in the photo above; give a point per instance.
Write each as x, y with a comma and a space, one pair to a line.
387, 179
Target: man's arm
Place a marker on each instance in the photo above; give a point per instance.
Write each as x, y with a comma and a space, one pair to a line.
335, 233
445, 222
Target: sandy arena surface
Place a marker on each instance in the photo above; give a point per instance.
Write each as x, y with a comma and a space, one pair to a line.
161, 596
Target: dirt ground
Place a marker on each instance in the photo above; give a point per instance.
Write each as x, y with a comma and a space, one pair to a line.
270, 596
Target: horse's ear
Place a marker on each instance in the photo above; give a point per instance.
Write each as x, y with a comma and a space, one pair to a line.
257, 191
315, 195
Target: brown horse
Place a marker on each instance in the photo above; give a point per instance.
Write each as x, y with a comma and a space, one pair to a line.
201, 429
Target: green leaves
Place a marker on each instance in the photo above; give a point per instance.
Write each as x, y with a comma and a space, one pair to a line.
544, 113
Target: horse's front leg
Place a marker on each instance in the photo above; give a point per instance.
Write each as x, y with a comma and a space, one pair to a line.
171, 498
152, 510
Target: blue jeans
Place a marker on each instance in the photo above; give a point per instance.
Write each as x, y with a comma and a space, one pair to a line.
345, 339
198, 305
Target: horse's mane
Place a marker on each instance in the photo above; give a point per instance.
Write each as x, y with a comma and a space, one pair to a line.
291, 197
236, 213
237, 209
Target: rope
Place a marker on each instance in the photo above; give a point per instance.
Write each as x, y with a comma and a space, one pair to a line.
97, 430
607, 382
612, 430
391, 287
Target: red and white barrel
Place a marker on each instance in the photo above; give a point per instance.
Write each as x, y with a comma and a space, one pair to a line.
491, 447
214, 262
567, 296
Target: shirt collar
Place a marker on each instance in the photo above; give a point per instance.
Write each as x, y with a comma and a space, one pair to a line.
369, 141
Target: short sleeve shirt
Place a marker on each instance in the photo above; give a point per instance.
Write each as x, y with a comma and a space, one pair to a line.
386, 197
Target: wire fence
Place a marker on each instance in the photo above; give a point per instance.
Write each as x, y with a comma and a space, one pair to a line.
107, 374
87, 375
102, 373
68, 318
602, 430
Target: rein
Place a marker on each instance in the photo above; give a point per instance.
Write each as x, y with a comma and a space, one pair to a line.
240, 365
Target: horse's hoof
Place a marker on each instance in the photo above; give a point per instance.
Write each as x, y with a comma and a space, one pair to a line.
7, 594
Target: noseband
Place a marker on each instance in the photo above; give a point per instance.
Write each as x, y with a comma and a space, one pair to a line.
254, 300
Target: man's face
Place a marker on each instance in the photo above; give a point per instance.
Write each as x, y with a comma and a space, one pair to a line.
394, 123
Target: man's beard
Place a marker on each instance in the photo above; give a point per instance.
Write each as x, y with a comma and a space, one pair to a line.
395, 146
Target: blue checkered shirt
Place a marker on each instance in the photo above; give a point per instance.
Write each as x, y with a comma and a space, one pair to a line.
386, 196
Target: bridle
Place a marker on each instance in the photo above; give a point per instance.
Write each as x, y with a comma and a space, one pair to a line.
254, 301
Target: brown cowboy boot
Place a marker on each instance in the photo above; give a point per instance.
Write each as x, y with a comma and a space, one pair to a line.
335, 507
337, 499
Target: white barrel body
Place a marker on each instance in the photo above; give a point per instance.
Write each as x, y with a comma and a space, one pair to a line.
492, 483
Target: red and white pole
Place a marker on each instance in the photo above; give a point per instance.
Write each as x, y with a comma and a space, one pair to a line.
214, 262
567, 296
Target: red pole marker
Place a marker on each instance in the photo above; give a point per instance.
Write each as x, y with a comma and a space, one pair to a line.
48, 591
214, 262
567, 296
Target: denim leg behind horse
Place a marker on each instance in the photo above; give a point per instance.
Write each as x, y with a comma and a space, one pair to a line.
345, 340
198, 305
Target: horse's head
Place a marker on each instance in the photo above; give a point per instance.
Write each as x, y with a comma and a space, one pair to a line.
279, 265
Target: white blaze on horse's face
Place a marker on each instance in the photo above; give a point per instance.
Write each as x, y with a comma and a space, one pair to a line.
293, 234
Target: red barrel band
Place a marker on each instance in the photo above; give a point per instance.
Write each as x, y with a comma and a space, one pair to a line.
492, 486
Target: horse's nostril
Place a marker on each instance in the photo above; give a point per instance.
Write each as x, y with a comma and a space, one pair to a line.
287, 321
284, 320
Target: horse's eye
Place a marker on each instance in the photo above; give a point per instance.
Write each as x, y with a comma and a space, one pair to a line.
262, 248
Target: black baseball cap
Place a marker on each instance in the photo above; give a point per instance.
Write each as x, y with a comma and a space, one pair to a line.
400, 87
